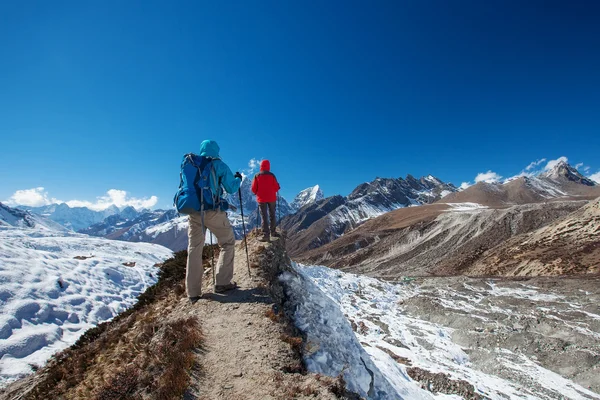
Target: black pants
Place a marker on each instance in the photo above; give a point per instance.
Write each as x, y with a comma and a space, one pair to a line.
265, 219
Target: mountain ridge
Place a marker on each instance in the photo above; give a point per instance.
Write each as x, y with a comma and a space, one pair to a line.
327, 219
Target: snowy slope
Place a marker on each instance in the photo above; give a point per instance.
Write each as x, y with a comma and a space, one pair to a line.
330, 302
178, 224
24, 219
177, 227
307, 196
332, 347
56, 285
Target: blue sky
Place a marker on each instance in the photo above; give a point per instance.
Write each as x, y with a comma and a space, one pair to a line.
99, 96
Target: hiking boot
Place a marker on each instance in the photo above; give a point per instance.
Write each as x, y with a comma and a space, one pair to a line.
265, 238
275, 234
226, 288
195, 299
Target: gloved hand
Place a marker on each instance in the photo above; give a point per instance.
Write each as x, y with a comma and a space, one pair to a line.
238, 175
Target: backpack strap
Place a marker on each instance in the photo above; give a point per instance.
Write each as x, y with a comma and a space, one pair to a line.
216, 197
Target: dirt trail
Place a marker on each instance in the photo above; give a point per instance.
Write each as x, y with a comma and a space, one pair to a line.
244, 355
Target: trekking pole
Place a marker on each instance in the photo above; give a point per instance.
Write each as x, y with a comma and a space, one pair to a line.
212, 254
245, 235
279, 207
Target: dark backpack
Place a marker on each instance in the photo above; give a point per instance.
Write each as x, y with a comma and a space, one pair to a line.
197, 180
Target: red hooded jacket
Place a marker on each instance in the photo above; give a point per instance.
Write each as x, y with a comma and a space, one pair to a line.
264, 184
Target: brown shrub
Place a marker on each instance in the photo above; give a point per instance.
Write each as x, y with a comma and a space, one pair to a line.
293, 341
275, 317
122, 386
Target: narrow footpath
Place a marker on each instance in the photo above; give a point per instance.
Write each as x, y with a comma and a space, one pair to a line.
248, 351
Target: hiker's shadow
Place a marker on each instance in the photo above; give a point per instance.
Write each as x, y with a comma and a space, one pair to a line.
254, 295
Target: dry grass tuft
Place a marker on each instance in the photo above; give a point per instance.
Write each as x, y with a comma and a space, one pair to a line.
273, 316
176, 357
293, 341
294, 390
161, 367
338, 388
123, 386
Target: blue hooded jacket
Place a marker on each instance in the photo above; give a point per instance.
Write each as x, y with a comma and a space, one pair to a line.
210, 148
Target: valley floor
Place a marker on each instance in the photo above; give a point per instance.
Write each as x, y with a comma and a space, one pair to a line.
498, 338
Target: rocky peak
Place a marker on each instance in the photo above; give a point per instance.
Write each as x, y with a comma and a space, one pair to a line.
129, 213
562, 171
307, 196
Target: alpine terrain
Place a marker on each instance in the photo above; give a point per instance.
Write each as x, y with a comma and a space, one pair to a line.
325, 220
490, 292
169, 229
56, 284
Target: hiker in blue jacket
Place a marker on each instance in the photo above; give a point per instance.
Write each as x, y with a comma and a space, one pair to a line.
218, 223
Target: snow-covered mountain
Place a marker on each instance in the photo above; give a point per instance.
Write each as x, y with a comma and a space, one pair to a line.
562, 172
24, 219
74, 218
325, 220
56, 284
306, 197
248, 198
169, 229
128, 225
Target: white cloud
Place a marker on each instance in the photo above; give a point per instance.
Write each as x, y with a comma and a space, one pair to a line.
253, 165
582, 167
534, 164
488, 177
464, 185
552, 163
595, 177
37, 197
117, 198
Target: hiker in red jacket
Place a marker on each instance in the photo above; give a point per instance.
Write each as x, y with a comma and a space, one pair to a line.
265, 187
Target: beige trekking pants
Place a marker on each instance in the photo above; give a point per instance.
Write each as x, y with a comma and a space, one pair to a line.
218, 224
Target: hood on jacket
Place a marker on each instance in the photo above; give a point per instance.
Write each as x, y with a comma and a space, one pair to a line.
265, 165
209, 148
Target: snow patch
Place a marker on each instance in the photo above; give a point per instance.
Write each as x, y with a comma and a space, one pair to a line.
461, 207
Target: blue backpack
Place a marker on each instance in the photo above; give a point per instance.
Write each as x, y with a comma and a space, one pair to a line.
195, 192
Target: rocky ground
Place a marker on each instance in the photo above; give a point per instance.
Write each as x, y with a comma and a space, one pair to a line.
520, 329
569, 246
433, 240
